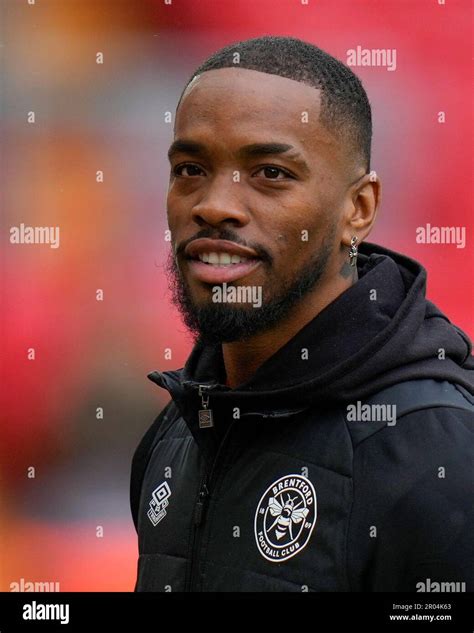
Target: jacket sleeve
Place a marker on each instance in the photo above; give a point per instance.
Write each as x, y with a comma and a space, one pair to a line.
141, 457
412, 521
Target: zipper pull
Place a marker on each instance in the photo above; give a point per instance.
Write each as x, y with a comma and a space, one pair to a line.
203, 495
205, 414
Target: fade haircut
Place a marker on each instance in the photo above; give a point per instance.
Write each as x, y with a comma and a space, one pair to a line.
345, 108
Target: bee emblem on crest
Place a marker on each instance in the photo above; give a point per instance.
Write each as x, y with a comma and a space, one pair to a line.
286, 515
285, 518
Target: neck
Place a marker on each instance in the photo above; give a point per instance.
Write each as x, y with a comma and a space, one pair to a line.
243, 358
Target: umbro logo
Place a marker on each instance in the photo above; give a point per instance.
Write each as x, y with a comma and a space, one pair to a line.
159, 502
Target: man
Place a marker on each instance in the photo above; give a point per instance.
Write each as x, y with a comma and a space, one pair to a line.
319, 435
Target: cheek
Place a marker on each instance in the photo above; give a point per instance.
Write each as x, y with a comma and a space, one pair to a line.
301, 232
175, 214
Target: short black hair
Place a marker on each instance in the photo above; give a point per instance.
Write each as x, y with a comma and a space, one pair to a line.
345, 107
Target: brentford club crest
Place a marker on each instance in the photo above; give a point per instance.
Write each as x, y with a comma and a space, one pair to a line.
285, 518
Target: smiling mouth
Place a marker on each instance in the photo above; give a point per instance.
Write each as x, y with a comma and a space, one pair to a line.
217, 261
222, 259
220, 268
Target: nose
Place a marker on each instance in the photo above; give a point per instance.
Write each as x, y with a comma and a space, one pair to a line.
220, 204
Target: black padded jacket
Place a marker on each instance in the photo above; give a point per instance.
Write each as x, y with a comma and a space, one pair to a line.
344, 464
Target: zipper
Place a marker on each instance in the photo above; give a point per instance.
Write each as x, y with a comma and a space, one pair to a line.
200, 510
205, 417
197, 520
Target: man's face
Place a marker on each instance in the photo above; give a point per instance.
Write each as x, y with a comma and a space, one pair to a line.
262, 217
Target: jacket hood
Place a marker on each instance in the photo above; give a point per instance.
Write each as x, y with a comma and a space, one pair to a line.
380, 331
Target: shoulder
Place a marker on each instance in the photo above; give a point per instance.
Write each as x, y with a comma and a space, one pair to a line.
414, 431
161, 423
160, 426
416, 406
412, 478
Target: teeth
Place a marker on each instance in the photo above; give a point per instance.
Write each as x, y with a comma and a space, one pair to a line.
221, 259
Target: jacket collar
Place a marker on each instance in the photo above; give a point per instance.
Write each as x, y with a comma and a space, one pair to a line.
359, 343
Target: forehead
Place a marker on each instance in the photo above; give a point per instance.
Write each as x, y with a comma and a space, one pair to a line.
232, 103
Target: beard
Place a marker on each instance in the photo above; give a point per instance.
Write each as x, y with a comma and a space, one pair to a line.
226, 322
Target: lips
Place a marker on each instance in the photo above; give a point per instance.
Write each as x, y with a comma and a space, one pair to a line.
212, 274
219, 261
206, 245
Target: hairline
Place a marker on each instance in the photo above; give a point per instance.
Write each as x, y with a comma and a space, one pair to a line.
359, 159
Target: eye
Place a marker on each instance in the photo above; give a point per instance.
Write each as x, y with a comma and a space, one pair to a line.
192, 169
271, 172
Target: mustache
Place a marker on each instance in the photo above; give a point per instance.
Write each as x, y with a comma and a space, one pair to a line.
223, 234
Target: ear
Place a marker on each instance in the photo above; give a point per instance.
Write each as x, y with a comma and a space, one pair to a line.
363, 200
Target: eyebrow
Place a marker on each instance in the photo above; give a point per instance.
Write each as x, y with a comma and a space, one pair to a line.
247, 151
259, 149
185, 147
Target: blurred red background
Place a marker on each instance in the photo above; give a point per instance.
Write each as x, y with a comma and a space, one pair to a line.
111, 117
